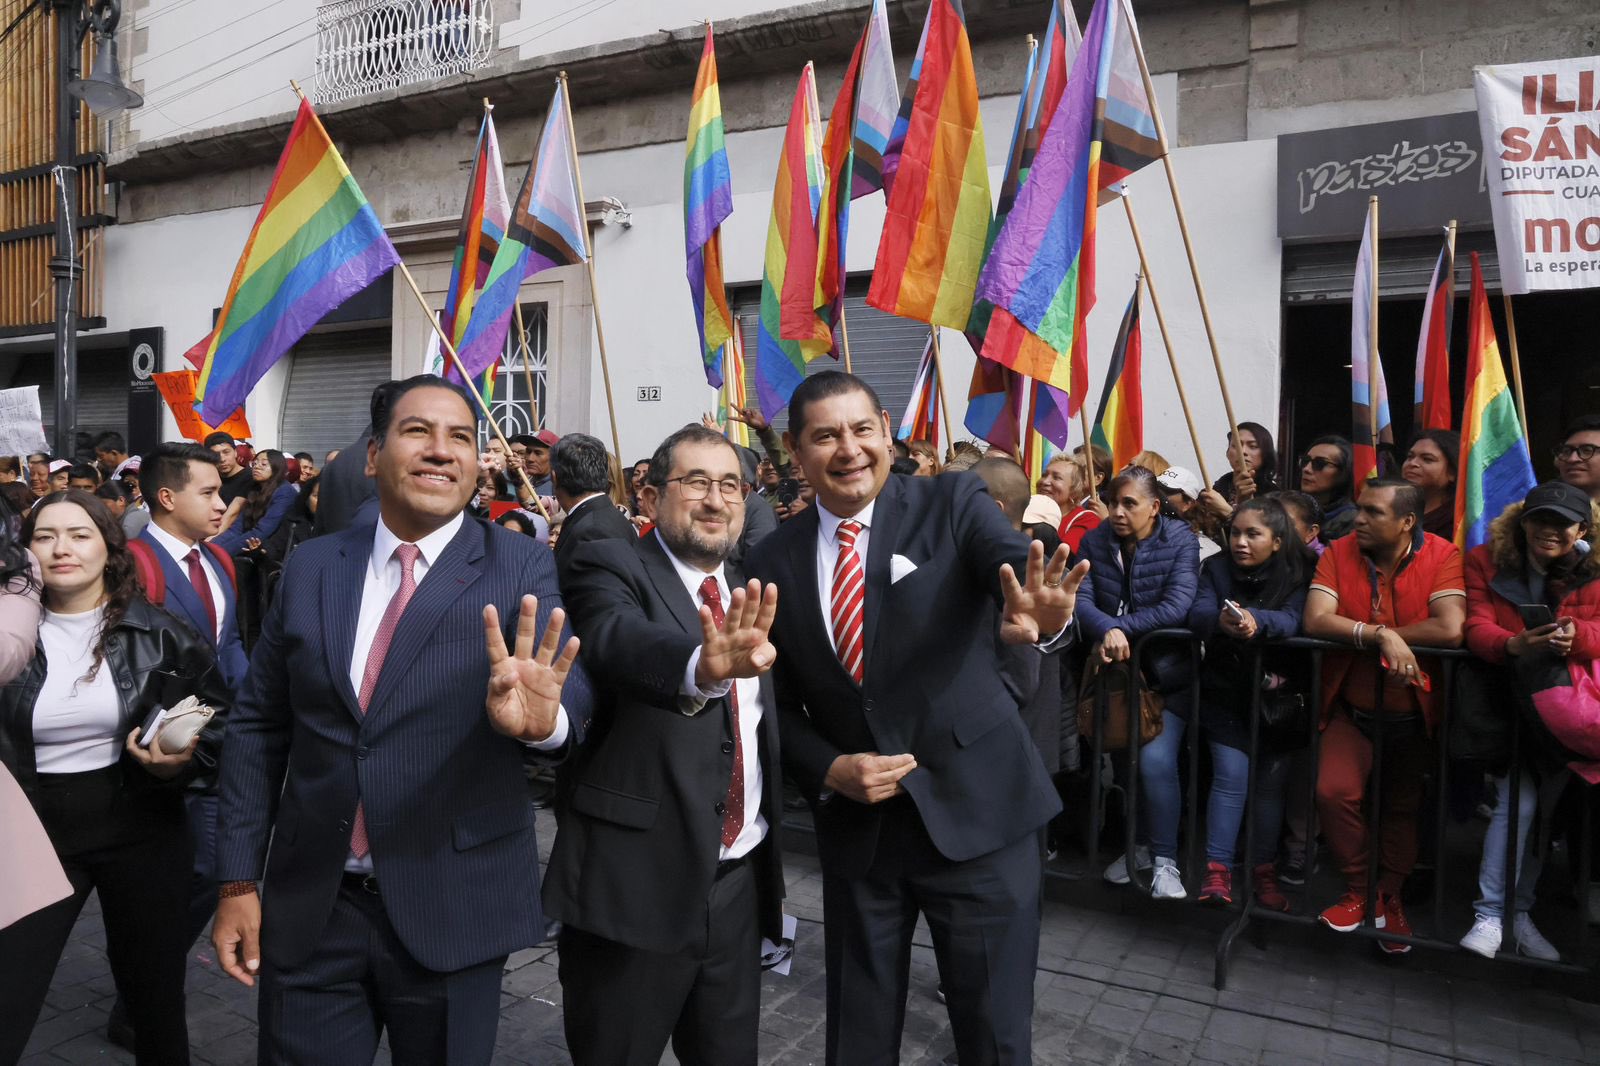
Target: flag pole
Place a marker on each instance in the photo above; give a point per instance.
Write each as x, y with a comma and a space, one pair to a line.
588, 247
938, 370
844, 331
1188, 242
1088, 448
1166, 341
455, 360
1374, 368
1516, 365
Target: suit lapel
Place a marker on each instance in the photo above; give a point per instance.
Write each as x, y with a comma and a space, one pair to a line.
881, 544
664, 576
182, 593
341, 610
458, 566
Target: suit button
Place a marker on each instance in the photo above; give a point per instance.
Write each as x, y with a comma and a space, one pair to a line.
866, 706
727, 747
361, 753
344, 827
721, 809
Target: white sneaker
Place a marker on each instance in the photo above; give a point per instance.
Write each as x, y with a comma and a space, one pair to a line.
1117, 872
1484, 936
1168, 883
1531, 942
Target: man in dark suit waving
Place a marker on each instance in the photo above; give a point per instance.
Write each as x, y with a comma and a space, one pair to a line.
580, 469
380, 750
666, 870
927, 791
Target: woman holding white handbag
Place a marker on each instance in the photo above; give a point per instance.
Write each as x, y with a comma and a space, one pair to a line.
77, 731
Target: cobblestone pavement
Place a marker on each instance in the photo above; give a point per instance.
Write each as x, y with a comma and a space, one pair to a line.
1122, 980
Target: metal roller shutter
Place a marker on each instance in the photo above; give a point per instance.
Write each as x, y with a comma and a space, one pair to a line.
884, 349
102, 392
1315, 272
331, 378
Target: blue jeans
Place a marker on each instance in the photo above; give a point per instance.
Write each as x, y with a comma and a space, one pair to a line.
1161, 798
1492, 868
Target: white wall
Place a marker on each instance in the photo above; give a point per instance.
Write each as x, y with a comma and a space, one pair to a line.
549, 26
211, 63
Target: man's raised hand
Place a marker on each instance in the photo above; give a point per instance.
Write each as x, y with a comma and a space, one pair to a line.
525, 685
740, 647
1041, 605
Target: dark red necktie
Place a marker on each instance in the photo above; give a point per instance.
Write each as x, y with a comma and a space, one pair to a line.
407, 554
202, 585
733, 816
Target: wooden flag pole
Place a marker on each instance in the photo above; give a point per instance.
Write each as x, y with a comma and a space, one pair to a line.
1161, 322
844, 333
455, 360
1088, 450
1516, 366
938, 370
1188, 247
1374, 368
588, 247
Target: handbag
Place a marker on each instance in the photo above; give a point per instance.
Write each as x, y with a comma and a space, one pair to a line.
175, 729
1285, 720
1481, 718
1118, 680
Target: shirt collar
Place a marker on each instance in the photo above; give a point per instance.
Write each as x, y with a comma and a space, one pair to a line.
175, 547
829, 522
384, 542
692, 576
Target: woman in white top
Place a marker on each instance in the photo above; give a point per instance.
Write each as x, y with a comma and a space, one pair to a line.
69, 730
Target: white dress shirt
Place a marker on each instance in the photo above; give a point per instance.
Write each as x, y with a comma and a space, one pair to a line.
179, 550
754, 829
382, 582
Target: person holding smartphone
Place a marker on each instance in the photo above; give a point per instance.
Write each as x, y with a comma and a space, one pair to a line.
1532, 600
70, 732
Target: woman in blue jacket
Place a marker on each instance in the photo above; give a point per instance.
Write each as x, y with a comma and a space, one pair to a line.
1264, 576
1143, 569
261, 510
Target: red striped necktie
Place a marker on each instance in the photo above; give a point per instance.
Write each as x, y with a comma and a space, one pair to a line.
849, 602
733, 808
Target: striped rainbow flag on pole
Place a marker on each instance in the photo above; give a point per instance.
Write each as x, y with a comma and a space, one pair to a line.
1495, 469
315, 243
732, 394
1119, 423
1040, 272
921, 420
791, 333
545, 231
484, 218
707, 202
937, 224
1367, 384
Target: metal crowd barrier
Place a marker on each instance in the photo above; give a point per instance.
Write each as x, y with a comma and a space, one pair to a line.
1307, 915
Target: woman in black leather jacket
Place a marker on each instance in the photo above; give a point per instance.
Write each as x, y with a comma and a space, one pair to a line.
69, 730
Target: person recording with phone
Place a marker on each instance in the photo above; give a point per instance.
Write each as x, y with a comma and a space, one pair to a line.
108, 790
1533, 606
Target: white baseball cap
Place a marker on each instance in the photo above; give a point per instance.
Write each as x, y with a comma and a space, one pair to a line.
1177, 479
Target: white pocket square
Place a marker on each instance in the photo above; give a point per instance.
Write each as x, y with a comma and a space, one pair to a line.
899, 567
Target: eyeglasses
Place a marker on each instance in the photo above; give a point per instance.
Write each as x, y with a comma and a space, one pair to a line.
1319, 464
1582, 451
698, 487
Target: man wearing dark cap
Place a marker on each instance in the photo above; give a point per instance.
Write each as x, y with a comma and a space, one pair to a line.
759, 517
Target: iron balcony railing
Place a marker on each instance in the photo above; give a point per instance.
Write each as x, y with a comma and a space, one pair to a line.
368, 46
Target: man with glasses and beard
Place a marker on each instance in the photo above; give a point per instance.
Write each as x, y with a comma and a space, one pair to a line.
666, 870
1578, 456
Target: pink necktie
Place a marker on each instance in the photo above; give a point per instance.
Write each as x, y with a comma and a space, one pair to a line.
733, 814
407, 554
849, 602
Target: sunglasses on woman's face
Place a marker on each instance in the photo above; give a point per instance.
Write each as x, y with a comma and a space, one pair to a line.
1319, 464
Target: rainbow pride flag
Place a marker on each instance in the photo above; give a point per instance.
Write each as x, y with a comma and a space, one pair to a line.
484, 218
1495, 469
1040, 272
921, 420
315, 243
791, 333
707, 202
994, 404
1119, 423
937, 225
732, 394
852, 152
546, 230
1431, 395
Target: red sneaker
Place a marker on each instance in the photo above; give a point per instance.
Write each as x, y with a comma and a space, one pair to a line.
1268, 894
1346, 915
1396, 923
1217, 888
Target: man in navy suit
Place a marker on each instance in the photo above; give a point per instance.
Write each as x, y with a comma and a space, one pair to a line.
927, 791
380, 747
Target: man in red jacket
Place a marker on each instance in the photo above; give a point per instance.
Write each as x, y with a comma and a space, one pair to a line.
1387, 589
